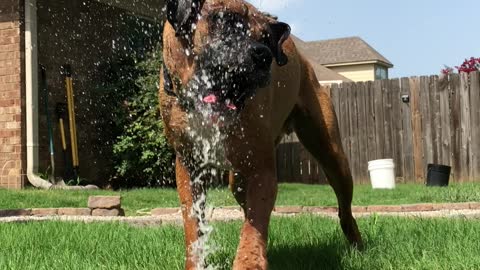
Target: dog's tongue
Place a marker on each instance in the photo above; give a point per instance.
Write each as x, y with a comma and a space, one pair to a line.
231, 106
212, 99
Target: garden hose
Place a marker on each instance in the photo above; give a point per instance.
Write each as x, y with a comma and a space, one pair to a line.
51, 177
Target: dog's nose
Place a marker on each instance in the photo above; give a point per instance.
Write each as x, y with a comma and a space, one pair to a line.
261, 54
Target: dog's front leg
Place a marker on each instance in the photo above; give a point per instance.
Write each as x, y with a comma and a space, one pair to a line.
260, 193
188, 193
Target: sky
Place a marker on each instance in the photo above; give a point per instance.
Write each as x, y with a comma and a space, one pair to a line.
418, 36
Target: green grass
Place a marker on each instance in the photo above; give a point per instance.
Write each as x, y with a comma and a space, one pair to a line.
304, 242
297, 194
289, 194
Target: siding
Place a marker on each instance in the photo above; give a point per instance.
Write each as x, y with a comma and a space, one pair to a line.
357, 73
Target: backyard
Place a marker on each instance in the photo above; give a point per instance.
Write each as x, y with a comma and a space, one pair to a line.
300, 242
288, 195
99, 61
304, 242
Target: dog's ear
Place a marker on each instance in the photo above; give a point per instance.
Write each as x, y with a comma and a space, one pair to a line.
280, 33
181, 14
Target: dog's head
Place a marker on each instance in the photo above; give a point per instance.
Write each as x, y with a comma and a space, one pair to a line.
228, 45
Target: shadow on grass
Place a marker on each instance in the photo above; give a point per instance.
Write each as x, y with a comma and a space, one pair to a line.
293, 257
306, 257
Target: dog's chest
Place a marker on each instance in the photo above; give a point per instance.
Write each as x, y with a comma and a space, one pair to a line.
207, 140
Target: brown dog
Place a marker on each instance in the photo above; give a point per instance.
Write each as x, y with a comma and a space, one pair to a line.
227, 53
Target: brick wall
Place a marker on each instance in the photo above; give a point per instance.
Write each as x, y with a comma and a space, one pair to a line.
12, 152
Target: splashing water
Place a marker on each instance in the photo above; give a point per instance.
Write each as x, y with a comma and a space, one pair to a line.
204, 130
225, 77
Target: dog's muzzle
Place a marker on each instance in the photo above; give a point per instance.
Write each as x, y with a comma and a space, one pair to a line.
262, 55
229, 69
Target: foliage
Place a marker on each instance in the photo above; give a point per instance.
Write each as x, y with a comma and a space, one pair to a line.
447, 70
129, 128
469, 65
129, 121
142, 155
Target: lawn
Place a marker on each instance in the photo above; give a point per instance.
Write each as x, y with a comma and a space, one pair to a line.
289, 194
304, 242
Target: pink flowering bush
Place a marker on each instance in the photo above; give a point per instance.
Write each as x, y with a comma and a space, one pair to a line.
469, 65
447, 70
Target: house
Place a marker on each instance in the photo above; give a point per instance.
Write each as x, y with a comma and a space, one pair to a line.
82, 33
325, 75
350, 57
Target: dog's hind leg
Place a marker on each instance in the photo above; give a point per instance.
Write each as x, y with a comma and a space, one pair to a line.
316, 125
238, 188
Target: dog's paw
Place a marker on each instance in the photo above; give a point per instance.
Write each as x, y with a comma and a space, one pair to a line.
250, 261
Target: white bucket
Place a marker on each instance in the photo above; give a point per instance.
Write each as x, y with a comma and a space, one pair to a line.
382, 173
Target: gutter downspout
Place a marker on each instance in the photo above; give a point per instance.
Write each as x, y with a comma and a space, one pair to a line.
31, 93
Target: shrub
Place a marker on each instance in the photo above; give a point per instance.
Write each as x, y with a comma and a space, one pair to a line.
469, 65
141, 153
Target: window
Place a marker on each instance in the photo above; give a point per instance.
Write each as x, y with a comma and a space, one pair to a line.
381, 73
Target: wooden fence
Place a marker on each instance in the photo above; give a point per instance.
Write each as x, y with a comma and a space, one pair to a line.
439, 124
296, 165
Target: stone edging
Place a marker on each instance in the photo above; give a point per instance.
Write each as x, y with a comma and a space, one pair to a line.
425, 207
105, 206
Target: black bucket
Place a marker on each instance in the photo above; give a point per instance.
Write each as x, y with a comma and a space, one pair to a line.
438, 175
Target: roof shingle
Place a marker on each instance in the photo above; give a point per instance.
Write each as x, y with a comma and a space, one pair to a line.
325, 74
339, 51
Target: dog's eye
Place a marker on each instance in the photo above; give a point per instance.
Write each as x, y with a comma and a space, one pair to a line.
227, 23
266, 38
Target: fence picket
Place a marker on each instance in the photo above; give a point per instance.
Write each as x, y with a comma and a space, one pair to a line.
464, 126
387, 119
354, 134
362, 133
435, 119
454, 84
379, 120
371, 131
406, 114
397, 128
426, 122
444, 122
343, 118
475, 124
334, 95
417, 129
